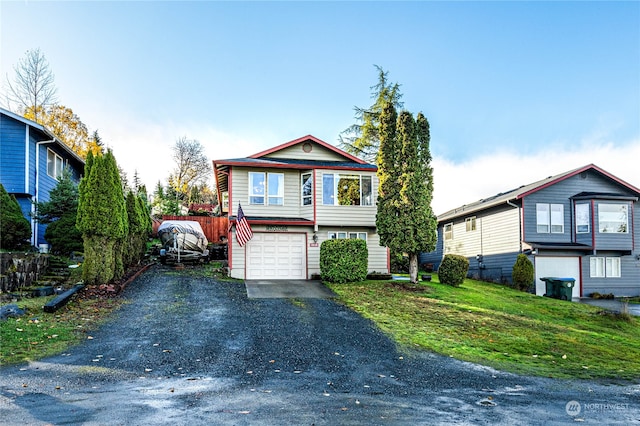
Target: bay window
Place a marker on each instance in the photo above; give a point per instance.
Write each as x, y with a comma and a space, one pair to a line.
346, 190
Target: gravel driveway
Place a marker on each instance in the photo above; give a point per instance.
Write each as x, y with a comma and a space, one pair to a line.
193, 350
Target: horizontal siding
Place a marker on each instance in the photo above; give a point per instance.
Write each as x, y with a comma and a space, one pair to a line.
628, 284
318, 153
292, 195
12, 154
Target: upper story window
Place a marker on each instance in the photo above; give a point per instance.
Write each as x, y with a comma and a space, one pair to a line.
613, 218
470, 223
448, 231
306, 183
266, 188
549, 218
55, 164
346, 190
225, 201
583, 219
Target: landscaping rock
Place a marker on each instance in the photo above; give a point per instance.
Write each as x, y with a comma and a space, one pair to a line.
11, 311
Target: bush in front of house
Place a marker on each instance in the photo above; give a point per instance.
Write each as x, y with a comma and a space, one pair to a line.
522, 273
15, 229
453, 269
344, 260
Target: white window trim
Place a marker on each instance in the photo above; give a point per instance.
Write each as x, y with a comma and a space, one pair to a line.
548, 218
470, 224
336, 179
626, 214
605, 267
340, 235
445, 232
265, 195
583, 218
57, 174
302, 196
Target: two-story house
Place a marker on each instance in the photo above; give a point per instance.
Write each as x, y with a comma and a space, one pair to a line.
31, 161
295, 196
582, 224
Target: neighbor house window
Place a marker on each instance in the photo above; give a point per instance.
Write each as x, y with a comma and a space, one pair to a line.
613, 218
55, 164
470, 223
448, 231
307, 189
346, 190
274, 190
345, 235
225, 201
601, 267
583, 218
549, 218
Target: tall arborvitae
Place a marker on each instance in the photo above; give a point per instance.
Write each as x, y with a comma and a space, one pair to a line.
102, 219
405, 220
15, 229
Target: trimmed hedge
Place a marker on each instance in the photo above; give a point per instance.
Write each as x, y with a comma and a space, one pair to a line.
344, 260
453, 269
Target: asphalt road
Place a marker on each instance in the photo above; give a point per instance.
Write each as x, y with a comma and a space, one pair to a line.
193, 350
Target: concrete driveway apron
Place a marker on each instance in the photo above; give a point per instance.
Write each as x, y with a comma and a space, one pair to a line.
279, 289
191, 350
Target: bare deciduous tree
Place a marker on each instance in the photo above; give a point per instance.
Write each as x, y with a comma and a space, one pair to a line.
192, 166
33, 86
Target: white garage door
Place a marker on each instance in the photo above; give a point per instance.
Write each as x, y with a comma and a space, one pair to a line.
276, 256
560, 267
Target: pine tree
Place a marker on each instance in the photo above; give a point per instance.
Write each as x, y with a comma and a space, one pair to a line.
15, 229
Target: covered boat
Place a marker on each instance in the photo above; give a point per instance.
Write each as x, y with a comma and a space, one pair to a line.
182, 240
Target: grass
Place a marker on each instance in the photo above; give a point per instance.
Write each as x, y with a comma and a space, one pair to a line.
502, 328
38, 334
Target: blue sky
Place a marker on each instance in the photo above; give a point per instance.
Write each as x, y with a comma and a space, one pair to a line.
514, 91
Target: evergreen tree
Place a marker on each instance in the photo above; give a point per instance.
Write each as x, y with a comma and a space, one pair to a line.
15, 229
404, 220
362, 139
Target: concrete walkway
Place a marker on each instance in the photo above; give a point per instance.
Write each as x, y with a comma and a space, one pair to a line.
287, 289
614, 305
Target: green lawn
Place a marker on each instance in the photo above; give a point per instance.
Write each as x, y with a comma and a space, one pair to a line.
500, 327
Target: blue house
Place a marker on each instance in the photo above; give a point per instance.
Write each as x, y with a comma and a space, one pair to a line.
583, 224
31, 161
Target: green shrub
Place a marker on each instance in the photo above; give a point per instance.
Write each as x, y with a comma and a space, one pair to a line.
453, 269
63, 235
15, 229
399, 262
522, 273
344, 260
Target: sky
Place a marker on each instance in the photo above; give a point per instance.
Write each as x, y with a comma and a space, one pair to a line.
513, 91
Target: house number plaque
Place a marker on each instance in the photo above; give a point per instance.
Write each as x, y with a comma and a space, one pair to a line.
277, 228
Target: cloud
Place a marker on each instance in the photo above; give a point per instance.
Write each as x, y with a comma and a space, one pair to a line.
458, 183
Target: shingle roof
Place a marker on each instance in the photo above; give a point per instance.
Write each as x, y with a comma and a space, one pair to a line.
524, 190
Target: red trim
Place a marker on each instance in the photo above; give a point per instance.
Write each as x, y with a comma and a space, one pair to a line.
261, 164
580, 273
276, 222
315, 204
308, 138
633, 233
229, 213
593, 225
576, 172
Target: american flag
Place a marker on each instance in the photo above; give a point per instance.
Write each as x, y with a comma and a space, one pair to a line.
243, 230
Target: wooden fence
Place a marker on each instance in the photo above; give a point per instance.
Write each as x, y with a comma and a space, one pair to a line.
214, 227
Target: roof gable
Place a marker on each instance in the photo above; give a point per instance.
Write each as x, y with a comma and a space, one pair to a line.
302, 148
525, 190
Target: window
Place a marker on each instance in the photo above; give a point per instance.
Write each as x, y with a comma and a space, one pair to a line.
601, 267
55, 164
613, 218
583, 218
307, 189
470, 223
346, 190
274, 191
225, 201
448, 231
275, 187
549, 218
345, 235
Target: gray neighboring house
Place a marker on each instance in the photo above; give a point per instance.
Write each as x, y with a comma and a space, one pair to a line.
583, 224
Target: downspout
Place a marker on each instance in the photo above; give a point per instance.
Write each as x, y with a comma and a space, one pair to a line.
36, 197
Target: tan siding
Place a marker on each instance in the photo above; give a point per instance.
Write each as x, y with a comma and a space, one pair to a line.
237, 257
291, 207
494, 234
318, 153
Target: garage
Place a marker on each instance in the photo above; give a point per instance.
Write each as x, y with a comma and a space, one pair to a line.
562, 267
278, 256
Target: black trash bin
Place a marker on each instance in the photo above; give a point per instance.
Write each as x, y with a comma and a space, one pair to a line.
551, 290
